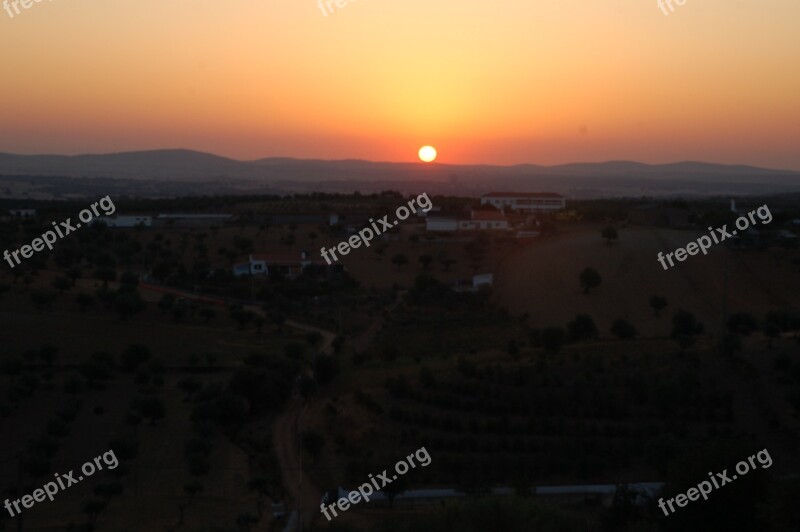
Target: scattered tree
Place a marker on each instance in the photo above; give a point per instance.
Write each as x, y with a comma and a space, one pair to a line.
582, 328
84, 300
729, 344
609, 233
742, 323
658, 303
151, 408
62, 284
684, 329
623, 330
426, 261
552, 339
399, 260
589, 279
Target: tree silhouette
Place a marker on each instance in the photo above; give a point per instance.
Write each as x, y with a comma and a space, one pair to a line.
623, 330
84, 300
134, 355
128, 303
552, 339
191, 489
246, 521
729, 344
609, 233
426, 261
105, 274
658, 303
62, 284
399, 260
207, 314
93, 507
684, 328
43, 298
166, 302
152, 408
589, 279
742, 323
582, 328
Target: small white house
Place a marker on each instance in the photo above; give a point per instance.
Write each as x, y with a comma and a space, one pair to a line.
254, 266
289, 264
441, 222
482, 279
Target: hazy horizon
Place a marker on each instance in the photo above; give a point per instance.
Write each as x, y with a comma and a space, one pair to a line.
435, 163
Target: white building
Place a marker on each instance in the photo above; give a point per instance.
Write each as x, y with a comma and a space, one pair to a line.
126, 221
289, 264
441, 222
525, 201
482, 279
474, 221
22, 213
253, 266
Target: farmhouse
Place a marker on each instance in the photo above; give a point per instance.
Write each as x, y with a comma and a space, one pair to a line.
288, 265
528, 202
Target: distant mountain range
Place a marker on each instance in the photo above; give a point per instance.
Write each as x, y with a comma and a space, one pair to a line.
606, 178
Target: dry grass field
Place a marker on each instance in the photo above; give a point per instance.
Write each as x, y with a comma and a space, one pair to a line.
542, 279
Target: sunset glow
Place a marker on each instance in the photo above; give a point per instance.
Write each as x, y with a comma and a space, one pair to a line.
498, 82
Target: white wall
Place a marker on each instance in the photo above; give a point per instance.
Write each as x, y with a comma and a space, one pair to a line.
441, 224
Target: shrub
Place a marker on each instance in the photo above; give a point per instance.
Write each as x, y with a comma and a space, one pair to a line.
623, 330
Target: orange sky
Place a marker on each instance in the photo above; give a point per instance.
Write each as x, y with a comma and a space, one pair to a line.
500, 82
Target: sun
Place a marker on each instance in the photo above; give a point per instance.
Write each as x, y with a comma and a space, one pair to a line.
427, 154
